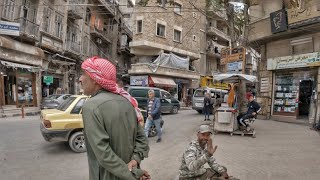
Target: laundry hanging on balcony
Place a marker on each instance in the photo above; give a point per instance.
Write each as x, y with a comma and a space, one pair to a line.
170, 60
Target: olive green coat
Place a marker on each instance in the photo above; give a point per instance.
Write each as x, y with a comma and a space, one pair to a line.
113, 137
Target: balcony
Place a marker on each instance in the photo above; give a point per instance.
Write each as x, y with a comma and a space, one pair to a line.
110, 6
75, 11
215, 31
220, 13
28, 29
73, 47
142, 68
106, 35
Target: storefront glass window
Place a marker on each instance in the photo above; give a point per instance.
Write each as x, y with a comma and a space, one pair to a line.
289, 90
286, 94
25, 90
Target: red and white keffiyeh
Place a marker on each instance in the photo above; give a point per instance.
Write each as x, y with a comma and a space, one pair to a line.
104, 73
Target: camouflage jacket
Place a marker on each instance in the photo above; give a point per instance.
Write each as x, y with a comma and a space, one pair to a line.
194, 159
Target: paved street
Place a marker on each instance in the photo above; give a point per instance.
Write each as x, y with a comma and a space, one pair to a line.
280, 151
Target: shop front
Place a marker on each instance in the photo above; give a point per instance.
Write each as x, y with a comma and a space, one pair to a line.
18, 84
294, 90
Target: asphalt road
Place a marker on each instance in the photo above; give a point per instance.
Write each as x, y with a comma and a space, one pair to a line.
25, 155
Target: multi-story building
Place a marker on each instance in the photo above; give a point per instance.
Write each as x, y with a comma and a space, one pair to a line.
287, 36
169, 34
47, 40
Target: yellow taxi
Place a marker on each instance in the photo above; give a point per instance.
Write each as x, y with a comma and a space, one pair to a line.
65, 123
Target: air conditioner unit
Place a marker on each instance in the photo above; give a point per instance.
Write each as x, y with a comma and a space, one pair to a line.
194, 15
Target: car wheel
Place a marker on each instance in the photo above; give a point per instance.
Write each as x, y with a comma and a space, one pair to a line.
199, 111
152, 131
77, 143
174, 110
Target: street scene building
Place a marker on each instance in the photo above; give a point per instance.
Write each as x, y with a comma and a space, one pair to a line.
286, 35
160, 89
43, 56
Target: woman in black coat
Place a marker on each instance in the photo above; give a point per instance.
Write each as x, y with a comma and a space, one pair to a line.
207, 107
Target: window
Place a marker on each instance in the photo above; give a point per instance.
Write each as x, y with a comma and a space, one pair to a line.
161, 30
165, 95
88, 15
139, 93
8, 9
139, 26
77, 108
46, 24
177, 35
194, 38
58, 25
177, 8
85, 45
65, 104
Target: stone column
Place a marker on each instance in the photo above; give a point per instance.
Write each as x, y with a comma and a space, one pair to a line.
317, 100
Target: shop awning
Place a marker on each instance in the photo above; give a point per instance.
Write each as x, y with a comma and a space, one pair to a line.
16, 65
163, 81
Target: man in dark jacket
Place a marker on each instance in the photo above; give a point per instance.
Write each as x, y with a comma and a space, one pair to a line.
207, 107
253, 109
154, 115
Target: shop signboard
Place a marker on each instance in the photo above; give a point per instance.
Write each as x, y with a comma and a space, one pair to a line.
9, 28
138, 80
234, 67
237, 54
48, 80
278, 21
295, 61
301, 13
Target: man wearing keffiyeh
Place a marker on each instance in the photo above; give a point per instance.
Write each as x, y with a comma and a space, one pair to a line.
115, 142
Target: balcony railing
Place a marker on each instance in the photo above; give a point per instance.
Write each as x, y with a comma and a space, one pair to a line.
110, 6
73, 46
216, 31
74, 10
106, 35
28, 28
143, 68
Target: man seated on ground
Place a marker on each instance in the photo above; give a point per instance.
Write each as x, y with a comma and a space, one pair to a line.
253, 109
198, 153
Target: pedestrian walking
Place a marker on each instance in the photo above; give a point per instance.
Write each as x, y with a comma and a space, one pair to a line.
115, 142
207, 107
154, 115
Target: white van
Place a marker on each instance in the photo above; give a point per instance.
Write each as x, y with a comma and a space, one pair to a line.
199, 94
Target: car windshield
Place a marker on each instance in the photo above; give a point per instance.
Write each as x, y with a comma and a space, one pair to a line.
65, 104
56, 96
199, 93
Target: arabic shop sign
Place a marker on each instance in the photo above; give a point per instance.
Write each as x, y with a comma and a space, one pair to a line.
138, 80
278, 21
304, 12
237, 54
295, 61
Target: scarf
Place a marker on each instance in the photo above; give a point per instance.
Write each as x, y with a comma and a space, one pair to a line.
104, 73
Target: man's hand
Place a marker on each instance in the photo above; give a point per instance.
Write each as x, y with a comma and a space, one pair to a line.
132, 164
254, 113
145, 176
224, 175
210, 147
150, 117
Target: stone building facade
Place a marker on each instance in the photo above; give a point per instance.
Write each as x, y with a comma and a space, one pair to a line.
53, 38
288, 70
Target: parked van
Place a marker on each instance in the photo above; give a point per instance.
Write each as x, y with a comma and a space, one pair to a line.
199, 94
168, 103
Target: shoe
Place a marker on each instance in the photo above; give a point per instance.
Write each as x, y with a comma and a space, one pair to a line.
205, 119
158, 140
